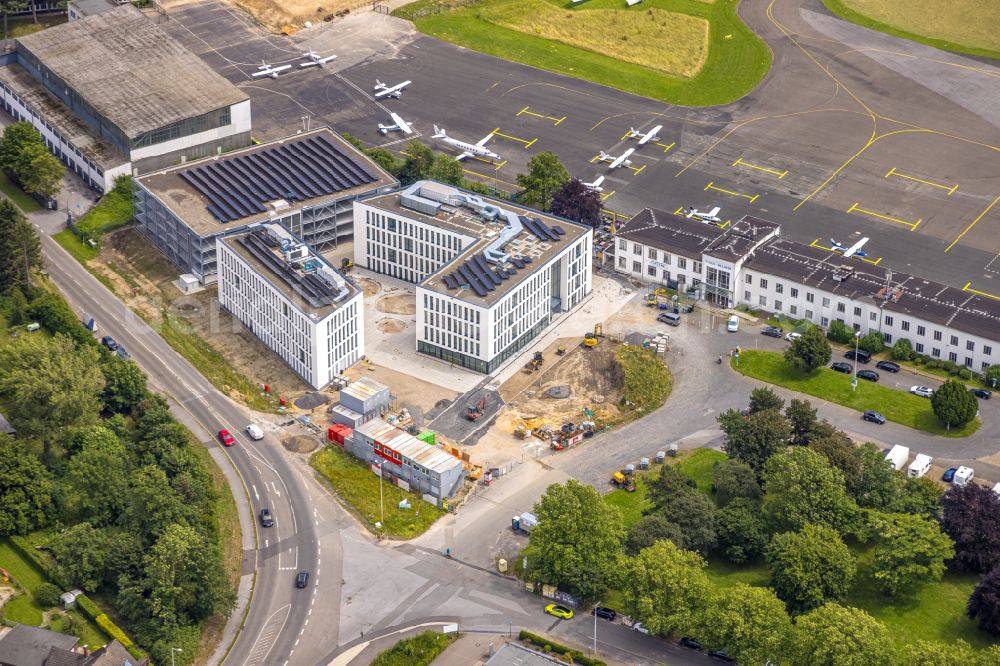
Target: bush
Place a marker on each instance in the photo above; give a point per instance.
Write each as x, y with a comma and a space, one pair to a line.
949, 366
902, 350
549, 646
839, 332
964, 373
419, 650
953, 404
933, 364
873, 343
47, 595
991, 377
27, 550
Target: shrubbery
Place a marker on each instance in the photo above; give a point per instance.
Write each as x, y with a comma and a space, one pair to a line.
551, 646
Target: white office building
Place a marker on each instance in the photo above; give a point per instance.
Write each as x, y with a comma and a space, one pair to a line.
491, 276
292, 300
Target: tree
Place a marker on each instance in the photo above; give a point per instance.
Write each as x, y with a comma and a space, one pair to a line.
932, 653
802, 418
17, 307
801, 487
664, 488
152, 503
16, 147
740, 531
9, 7
419, 159
546, 174
446, 169
839, 451
665, 587
911, 551
953, 404
834, 635
25, 489
878, 485
125, 387
52, 312
991, 376
810, 567
971, 517
920, 496
575, 201
679, 502
756, 438
902, 350
44, 174
762, 398
809, 352
750, 623
839, 332
96, 480
92, 558
19, 246
873, 342
47, 595
732, 479
386, 160
577, 543
650, 529
984, 604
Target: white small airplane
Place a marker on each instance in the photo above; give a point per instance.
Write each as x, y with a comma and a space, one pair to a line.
621, 160
477, 149
854, 250
645, 137
710, 216
382, 90
397, 124
596, 185
314, 59
268, 70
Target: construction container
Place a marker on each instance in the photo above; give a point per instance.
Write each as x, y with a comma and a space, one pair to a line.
366, 397
427, 436
338, 433
345, 416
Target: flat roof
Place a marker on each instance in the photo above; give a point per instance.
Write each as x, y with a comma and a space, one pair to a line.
131, 71
666, 231
528, 250
191, 204
739, 239
907, 294
317, 292
408, 446
364, 388
71, 126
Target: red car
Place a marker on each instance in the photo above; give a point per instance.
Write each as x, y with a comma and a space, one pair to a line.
226, 438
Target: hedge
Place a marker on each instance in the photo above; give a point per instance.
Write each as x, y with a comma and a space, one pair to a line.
577, 656
26, 550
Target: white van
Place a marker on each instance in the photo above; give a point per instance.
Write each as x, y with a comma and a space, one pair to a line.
734, 324
255, 432
920, 466
963, 475
897, 456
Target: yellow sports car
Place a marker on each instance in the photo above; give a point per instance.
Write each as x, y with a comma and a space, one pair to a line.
559, 611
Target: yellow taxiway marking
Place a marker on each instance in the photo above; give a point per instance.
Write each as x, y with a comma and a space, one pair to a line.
605, 197
555, 121
711, 186
973, 223
893, 172
873, 262
780, 174
527, 144
912, 225
968, 287
635, 172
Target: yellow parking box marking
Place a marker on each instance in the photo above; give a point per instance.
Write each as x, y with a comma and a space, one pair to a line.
555, 121
492, 178
527, 144
605, 197
711, 186
893, 172
594, 158
665, 146
973, 223
500, 165
779, 174
968, 287
912, 225
636, 172
679, 209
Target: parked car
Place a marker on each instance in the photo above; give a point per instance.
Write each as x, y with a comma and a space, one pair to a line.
122, 354
689, 642
266, 519
870, 375
792, 336
641, 628
559, 611
949, 474
733, 324
301, 579
721, 655
226, 438
846, 368
669, 318
874, 417
861, 356
772, 332
109, 342
922, 391
255, 432
888, 366
603, 612
982, 394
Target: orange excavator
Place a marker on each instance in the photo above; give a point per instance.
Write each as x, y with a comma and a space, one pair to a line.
476, 410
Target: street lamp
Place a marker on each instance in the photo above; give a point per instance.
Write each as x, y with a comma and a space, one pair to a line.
381, 510
172, 651
854, 382
595, 627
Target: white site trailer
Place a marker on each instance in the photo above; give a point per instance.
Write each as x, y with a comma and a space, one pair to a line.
920, 465
897, 456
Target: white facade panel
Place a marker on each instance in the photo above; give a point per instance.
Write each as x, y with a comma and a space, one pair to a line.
239, 115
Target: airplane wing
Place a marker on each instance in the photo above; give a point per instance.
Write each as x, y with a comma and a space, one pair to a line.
462, 156
651, 135
401, 124
714, 212
327, 59
617, 162
856, 248
482, 142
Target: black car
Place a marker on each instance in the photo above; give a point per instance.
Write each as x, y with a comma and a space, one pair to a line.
721, 655
870, 375
689, 642
861, 356
846, 368
109, 342
122, 354
888, 366
983, 394
874, 417
301, 579
266, 519
602, 612
772, 331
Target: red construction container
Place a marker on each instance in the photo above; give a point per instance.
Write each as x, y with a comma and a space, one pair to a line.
338, 432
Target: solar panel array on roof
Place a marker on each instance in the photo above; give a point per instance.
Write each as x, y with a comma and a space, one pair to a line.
294, 171
539, 228
314, 290
479, 275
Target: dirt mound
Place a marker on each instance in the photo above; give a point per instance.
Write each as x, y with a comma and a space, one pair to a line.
402, 304
388, 325
311, 400
301, 443
369, 286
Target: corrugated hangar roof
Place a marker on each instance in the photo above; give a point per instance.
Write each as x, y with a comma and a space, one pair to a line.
134, 74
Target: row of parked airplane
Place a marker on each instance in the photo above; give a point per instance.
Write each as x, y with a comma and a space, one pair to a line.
313, 59
623, 159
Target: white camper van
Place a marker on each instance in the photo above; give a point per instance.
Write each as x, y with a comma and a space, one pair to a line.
897, 456
920, 466
963, 475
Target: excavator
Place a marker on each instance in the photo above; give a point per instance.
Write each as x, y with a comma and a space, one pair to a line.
591, 338
624, 481
535, 363
476, 410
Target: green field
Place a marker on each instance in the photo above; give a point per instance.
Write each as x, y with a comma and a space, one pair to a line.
17, 195
964, 26
656, 49
897, 406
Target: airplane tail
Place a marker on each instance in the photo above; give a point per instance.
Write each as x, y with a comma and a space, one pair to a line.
604, 155
632, 132
438, 133
379, 85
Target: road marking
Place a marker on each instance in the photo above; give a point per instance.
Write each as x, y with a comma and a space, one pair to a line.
265, 543
973, 223
711, 186
912, 225
636, 172
664, 146
968, 287
255, 492
816, 244
555, 121
780, 174
264, 642
493, 178
893, 172
527, 144
605, 197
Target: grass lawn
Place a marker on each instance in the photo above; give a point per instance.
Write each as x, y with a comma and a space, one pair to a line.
22, 609
359, 488
560, 37
632, 505
964, 26
17, 195
113, 211
698, 466
897, 406
76, 248
22, 571
417, 651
